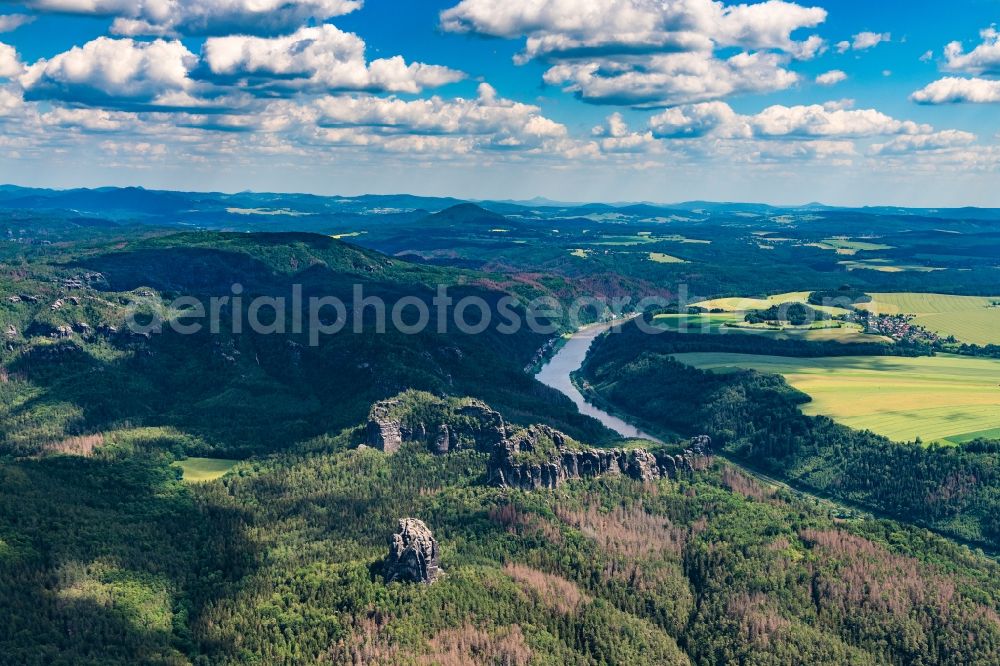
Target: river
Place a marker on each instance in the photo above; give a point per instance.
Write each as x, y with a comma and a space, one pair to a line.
556, 374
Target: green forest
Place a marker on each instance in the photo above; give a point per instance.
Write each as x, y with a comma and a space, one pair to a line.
113, 559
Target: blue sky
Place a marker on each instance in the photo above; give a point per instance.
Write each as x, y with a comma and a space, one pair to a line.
843, 102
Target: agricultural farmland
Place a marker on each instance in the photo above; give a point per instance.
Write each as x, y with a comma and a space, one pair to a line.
849, 247
940, 398
743, 304
973, 319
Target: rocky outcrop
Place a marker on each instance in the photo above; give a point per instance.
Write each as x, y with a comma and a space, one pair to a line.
527, 458
413, 554
540, 457
440, 424
384, 430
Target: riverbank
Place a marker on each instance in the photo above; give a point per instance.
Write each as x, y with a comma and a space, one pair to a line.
558, 374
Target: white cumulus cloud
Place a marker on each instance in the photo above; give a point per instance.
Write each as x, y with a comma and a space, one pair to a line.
768, 25
698, 120
114, 71
201, 17
615, 136
568, 27
10, 64
650, 52
833, 77
818, 120
955, 90
984, 59
922, 142
718, 119
322, 57
487, 119
676, 78
863, 41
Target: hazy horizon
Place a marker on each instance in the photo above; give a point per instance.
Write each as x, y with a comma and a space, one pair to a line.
539, 199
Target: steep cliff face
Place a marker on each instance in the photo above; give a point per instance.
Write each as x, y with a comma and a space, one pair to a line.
440, 424
527, 458
540, 457
384, 429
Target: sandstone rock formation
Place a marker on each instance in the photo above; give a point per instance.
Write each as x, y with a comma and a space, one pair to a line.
540, 457
413, 554
384, 431
440, 424
527, 458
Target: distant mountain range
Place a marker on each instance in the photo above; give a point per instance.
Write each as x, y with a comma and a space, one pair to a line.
137, 202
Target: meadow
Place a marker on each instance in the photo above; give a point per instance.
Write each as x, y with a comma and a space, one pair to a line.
973, 319
199, 470
941, 398
661, 258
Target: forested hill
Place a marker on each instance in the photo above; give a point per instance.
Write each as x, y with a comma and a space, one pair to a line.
110, 559
72, 367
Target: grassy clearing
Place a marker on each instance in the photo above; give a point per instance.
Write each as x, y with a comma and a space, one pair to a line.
941, 398
199, 470
660, 258
971, 319
848, 247
885, 266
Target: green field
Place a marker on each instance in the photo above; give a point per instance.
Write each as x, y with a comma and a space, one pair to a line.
742, 303
199, 470
660, 258
971, 319
886, 266
941, 398
732, 322
697, 323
